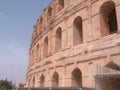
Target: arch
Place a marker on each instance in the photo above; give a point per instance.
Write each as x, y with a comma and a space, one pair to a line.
58, 39
41, 20
61, 4
38, 47
55, 79
42, 80
38, 52
41, 25
45, 47
77, 31
49, 13
76, 77
108, 18
33, 81
113, 65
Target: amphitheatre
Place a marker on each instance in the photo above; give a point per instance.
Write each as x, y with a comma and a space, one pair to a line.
76, 43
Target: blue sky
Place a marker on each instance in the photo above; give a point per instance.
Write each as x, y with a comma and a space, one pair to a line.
17, 18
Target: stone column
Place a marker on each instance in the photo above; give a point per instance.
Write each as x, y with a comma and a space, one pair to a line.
89, 18
118, 16
64, 39
70, 36
64, 76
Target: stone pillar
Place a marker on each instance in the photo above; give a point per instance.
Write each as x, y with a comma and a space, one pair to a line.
91, 75
64, 39
68, 81
118, 17
64, 76
50, 43
36, 80
89, 18
47, 78
42, 48
70, 36
53, 43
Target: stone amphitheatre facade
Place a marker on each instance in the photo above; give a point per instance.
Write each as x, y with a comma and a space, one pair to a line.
76, 43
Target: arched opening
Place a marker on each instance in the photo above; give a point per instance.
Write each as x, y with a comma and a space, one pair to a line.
58, 40
41, 23
76, 78
46, 47
61, 4
41, 20
108, 18
34, 82
77, 31
55, 82
112, 65
42, 79
49, 13
37, 52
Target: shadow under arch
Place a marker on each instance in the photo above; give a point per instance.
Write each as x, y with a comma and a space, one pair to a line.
33, 81
108, 18
77, 31
58, 40
55, 79
42, 80
76, 78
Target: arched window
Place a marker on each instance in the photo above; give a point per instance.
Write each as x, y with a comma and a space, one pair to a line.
76, 78
38, 51
108, 18
41, 25
58, 40
37, 46
61, 4
41, 20
34, 82
49, 13
77, 31
46, 47
55, 82
42, 79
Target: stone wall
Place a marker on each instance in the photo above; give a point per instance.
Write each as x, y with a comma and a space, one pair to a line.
69, 39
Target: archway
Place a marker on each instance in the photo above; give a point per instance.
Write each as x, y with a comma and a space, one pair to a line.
42, 79
45, 47
61, 5
33, 81
37, 52
77, 31
108, 18
58, 40
76, 78
55, 80
49, 13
